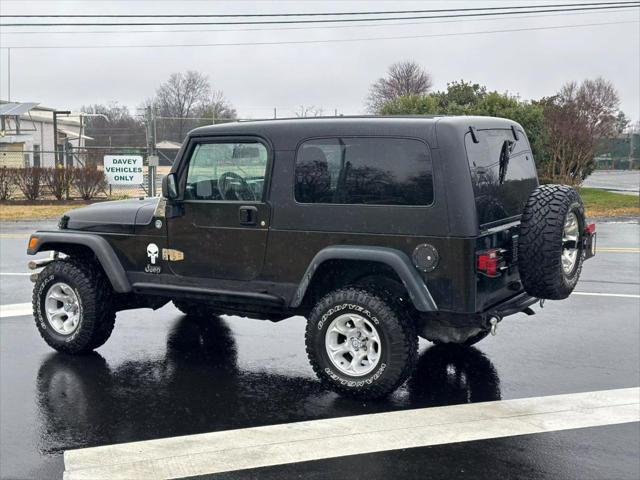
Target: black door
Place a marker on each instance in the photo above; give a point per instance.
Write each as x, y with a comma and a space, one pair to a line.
223, 230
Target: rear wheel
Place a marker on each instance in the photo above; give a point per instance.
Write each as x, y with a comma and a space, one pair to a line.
551, 242
72, 306
360, 344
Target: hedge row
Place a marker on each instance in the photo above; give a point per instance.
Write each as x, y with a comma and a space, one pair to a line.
59, 182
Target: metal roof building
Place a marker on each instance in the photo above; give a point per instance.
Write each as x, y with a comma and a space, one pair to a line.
27, 135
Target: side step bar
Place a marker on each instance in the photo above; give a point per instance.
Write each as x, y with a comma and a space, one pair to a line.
230, 295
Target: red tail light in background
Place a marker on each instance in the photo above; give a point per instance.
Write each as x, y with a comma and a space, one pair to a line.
591, 228
488, 262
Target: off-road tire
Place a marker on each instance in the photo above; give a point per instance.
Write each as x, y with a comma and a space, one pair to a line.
97, 315
397, 332
540, 242
198, 310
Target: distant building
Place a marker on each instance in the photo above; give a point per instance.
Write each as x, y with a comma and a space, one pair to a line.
167, 151
27, 137
619, 153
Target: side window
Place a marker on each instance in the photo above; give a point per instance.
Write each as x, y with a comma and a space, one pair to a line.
369, 171
226, 171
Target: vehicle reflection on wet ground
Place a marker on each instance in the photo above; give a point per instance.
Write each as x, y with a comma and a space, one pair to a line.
198, 386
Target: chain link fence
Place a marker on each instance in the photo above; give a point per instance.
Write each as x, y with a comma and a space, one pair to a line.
70, 174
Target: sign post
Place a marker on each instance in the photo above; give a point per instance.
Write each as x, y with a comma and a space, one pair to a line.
153, 161
123, 169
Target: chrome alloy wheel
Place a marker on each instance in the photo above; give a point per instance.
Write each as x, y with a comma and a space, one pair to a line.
62, 308
570, 237
353, 345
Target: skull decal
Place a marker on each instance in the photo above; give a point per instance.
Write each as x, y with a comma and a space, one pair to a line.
152, 252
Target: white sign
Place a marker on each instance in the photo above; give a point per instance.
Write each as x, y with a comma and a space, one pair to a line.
123, 169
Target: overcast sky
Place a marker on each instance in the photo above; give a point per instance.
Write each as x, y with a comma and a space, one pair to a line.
335, 75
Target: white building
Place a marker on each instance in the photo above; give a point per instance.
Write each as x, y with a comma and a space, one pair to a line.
27, 139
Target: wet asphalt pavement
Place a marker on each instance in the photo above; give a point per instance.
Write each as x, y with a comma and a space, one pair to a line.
162, 374
623, 181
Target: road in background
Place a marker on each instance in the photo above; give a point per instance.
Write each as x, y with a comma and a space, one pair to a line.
623, 181
163, 375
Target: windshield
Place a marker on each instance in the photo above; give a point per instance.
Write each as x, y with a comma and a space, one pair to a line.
503, 174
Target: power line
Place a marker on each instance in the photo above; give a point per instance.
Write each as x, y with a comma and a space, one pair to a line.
299, 42
308, 14
323, 20
307, 27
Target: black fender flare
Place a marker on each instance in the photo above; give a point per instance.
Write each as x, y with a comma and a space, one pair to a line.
397, 260
47, 241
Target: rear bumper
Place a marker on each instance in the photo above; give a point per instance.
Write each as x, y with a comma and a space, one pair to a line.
458, 327
511, 306
482, 320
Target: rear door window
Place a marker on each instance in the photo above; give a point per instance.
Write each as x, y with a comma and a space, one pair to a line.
368, 171
503, 174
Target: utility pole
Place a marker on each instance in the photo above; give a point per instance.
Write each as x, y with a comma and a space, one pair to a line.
213, 108
80, 140
151, 149
275, 113
9, 74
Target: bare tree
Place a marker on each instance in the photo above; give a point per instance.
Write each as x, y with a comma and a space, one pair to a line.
6, 183
184, 95
309, 111
59, 180
89, 181
403, 78
577, 119
30, 181
220, 109
121, 130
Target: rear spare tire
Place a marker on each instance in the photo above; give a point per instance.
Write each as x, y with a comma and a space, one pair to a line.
551, 242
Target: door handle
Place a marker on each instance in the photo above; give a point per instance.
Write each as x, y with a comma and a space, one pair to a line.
248, 215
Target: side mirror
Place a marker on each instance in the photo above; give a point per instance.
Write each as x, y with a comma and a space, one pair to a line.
170, 187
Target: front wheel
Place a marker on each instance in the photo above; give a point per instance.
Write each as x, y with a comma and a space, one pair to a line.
360, 343
72, 307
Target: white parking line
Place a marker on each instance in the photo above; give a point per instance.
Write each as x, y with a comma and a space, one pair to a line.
16, 310
233, 450
616, 295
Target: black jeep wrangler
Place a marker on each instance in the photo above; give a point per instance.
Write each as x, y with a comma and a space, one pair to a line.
377, 230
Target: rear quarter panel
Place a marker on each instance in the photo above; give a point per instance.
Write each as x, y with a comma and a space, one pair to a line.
299, 231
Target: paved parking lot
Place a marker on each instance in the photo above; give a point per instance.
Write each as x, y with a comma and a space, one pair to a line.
164, 375
623, 181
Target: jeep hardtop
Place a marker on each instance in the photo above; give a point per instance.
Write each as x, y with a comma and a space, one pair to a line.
377, 230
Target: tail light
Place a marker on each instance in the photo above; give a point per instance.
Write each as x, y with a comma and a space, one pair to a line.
589, 241
490, 262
